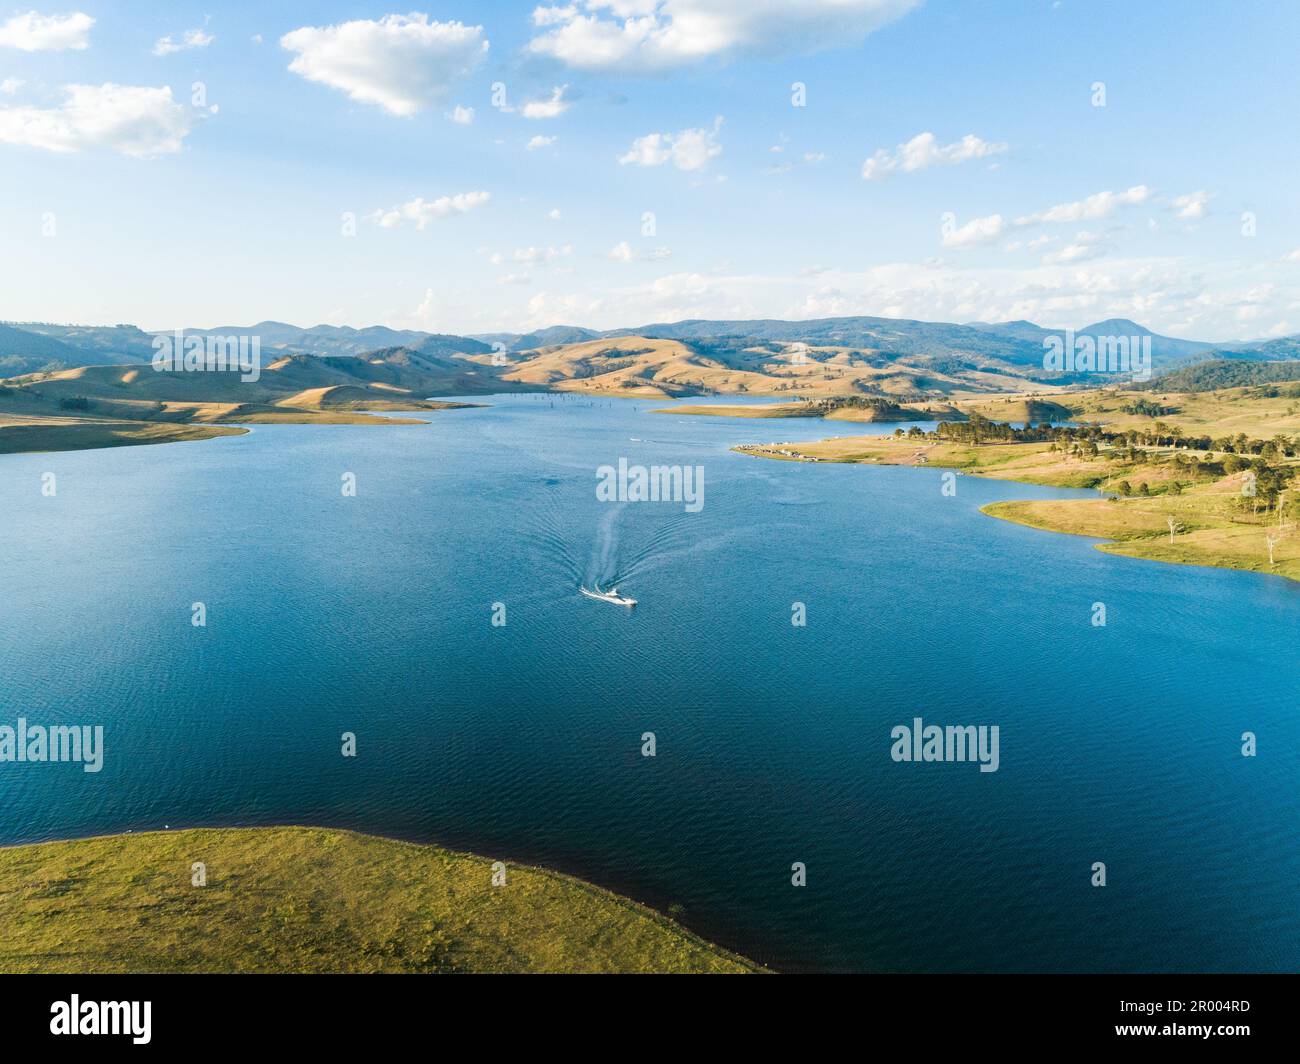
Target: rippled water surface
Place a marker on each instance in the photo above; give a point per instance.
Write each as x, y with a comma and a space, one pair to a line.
373, 615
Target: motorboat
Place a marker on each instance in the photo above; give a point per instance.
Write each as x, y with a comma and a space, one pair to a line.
611, 595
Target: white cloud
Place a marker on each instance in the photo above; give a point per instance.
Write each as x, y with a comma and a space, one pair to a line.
554, 214
552, 107
691, 149
462, 116
1192, 206
623, 252
924, 151
402, 63
421, 212
638, 36
1098, 205
133, 120
34, 32
976, 231
1085, 246
533, 256
554, 16
11, 85
1176, 296
539, 142
190, 40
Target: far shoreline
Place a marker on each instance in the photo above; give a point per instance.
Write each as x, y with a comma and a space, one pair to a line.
1116, 526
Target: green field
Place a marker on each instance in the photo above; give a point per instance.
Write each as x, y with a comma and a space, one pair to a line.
299, 899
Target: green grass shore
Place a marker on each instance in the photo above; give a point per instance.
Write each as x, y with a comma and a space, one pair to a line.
1209, 526
298, 899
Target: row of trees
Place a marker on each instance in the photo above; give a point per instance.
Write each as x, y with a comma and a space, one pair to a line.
1161, 445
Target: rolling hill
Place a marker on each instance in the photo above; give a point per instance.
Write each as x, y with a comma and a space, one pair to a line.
22, 351
898, 359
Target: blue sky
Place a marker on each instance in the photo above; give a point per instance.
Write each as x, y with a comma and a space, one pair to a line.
949, 164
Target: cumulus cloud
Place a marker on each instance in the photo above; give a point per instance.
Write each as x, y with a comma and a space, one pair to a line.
1191, 206
539, 142
421, 212
11, 85
924, 151
533, 256
133, 120
1085, 246
641, 36
976, 231
1098, 205
462, 116
624, 252
551, 107
34, 32
190, 40
402, 63
691, 149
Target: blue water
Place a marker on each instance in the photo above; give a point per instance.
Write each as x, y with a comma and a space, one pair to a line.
373, 615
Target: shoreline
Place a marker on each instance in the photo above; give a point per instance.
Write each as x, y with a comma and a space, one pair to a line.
652, 927
1204, 530
52, 435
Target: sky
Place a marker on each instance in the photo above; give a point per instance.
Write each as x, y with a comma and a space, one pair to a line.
472, 167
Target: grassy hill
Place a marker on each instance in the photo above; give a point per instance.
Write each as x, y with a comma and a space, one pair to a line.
97, 406
29, 352
315, 900
1223, 373
657, 367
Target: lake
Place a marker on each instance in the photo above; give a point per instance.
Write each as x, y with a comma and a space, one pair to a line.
373, 614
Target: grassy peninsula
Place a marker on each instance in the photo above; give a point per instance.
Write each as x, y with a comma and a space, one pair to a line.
1205, 479
297, 899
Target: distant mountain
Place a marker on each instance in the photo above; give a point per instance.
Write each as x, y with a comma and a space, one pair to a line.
1225, 373
897, 357
557, 334
888, 336
97, 345
1284, 347
28, 351
440, 346
1165, 350
503, 338
320, 339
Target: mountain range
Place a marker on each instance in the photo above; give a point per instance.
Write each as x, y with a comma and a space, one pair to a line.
901, 358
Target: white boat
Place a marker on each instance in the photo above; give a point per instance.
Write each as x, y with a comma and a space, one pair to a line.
608, 596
